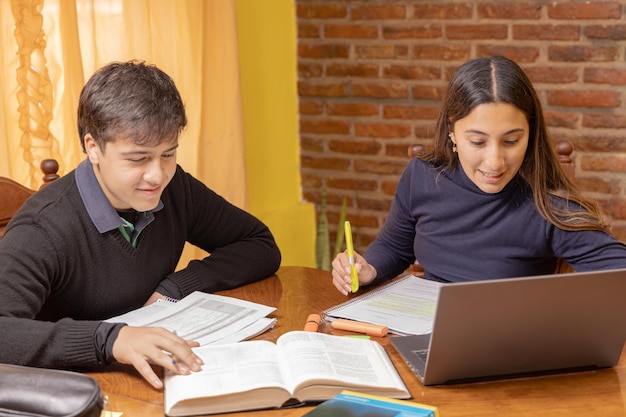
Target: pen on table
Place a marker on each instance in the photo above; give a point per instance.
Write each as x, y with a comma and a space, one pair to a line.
350, 249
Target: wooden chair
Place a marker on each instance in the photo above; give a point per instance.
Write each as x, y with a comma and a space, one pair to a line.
13, 194
563, 150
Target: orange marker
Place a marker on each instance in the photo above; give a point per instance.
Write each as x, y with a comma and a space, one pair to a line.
312, 323
360, 327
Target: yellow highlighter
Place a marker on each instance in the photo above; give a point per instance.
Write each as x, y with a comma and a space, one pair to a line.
350, 250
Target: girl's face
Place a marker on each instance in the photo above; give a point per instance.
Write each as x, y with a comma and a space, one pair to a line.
491, 142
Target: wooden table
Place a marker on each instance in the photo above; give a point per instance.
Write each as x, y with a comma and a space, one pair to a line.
296, 292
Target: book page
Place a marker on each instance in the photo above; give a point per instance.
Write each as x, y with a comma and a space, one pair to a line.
406, 306
346, 361
205, 318
227, 369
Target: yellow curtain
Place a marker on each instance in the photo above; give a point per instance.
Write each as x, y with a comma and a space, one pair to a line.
194, 41
51, 47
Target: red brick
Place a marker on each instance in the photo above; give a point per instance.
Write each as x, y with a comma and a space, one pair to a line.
316, 11
583, 53
379, 90
365, 239
441, 52
612, 32
309, 70
323, 51
352, 184
355, 147
585, 10
311, 144
412, 72
378, 204
379, 167
426, 92
620, 232
306, 89
604, 163
337, 164
384, 51
546, 32
323, 126
310, 107
605, 206
446, 11
476, 32
352, 70
608, 121
308, 31
410, 112
351, 109
598, 143
596, 185
310, 181
552, 75
362, 221
508, 11
389, 187
584, 98
618, 209
334, 200
561, 119
425, 131
605, 76
518, 54
382, 130
397, 150
392, 11
428, 31
351, 31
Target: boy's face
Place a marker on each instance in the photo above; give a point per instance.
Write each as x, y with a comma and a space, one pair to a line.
132, 176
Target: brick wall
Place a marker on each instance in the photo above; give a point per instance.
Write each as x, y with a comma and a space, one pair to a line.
372, 73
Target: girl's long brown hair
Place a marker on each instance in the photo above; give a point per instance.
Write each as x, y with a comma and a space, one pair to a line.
500, 80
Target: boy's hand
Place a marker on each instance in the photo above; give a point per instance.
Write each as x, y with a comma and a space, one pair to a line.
142, 346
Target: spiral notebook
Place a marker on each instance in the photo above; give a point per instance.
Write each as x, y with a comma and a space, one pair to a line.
405, 305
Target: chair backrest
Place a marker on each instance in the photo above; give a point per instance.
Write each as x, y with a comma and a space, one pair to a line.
13, 194
563, 150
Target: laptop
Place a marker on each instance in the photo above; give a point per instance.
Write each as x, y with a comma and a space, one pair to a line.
496, 329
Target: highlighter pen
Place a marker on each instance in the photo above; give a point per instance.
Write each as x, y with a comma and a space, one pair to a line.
360, 327
312, 323
350, 249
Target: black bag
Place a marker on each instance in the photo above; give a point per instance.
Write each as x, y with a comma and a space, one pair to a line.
35, 392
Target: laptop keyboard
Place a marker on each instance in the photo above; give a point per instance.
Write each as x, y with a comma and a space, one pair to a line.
422, 354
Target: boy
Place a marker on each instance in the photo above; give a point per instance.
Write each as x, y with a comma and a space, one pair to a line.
106, 238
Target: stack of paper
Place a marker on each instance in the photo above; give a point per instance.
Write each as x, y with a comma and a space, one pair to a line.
205, 318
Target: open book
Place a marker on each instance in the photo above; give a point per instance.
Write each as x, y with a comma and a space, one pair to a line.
405, 305
205, 318
301, 366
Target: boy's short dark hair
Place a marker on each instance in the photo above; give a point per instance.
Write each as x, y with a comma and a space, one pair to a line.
132, 100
